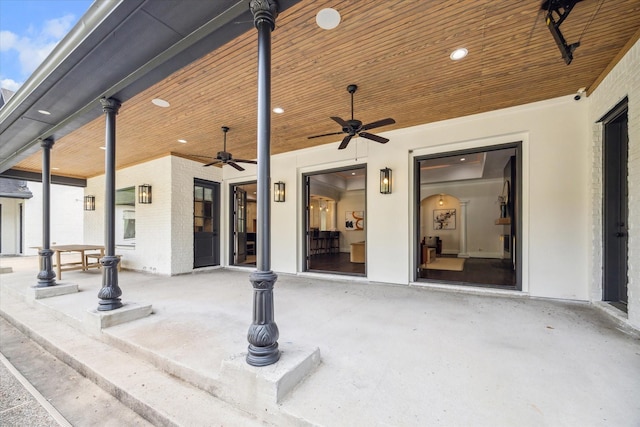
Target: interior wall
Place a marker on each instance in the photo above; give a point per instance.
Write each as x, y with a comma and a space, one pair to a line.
351, 201
623, 80
483, 236
450, 238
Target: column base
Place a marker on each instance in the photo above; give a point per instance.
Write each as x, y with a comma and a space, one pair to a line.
263, 356
110, 304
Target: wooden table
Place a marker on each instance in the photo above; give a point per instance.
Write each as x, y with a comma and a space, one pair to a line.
82, 264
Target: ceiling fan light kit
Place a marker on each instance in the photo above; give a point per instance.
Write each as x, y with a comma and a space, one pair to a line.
355, 127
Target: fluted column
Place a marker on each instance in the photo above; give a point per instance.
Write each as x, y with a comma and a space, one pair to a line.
110, 292
263, 332
464, 253
46, 276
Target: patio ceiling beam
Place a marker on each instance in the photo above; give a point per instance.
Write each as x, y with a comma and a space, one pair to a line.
37, 177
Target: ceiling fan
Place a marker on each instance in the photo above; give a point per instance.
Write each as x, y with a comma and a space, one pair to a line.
226, 158
355, 127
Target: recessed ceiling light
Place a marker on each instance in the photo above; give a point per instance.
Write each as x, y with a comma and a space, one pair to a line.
55, 169
353, 173
458, 54
160, 102
328, 18
182, 141
462, 159
278, 110
103, 148
45, 112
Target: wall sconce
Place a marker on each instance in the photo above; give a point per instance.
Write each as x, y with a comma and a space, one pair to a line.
278, 191
385, 181
89, 203
144, 194
441, 202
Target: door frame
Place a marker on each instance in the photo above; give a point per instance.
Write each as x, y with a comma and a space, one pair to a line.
216, 211
231, 222
615, 207
306, 222
517, 227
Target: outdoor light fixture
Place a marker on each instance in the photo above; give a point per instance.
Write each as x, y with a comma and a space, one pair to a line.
385, 181
278, 191
89, 203
144, 194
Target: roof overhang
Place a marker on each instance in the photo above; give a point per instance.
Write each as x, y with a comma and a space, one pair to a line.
117, 49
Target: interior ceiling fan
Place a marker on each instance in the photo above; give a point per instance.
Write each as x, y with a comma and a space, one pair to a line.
355, 127
226, 158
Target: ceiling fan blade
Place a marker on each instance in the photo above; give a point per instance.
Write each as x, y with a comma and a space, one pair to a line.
233, 164
325, 134
340, 122
373, 137
345, 142
212, 163
383, 122
255, 162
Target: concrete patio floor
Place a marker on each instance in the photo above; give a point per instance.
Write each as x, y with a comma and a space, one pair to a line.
390, 355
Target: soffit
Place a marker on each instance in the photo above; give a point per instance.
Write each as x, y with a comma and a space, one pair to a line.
396, 52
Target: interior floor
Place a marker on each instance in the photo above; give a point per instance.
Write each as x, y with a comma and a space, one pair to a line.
336, 263
476, 272
249, 261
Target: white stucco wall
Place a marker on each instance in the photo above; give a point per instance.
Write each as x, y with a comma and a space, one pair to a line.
555, 192
164, 228
556, 199
10, 220
66, 216
623, 80
183, 172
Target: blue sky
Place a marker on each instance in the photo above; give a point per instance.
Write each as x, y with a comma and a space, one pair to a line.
29, 30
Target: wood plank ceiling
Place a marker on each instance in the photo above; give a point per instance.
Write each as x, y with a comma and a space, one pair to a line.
397, 52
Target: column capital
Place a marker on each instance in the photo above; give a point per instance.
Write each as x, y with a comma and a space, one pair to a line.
110, 105
264, 11
47, 143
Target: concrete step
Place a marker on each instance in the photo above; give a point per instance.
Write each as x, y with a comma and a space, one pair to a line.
41, 390
158, 397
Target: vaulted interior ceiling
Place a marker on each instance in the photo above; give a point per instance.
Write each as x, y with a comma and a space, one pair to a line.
396, 52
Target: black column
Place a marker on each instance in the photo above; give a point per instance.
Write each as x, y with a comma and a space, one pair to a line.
263, 332
46, 277
110, 293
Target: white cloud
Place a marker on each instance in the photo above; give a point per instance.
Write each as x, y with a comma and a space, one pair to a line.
10, 84
33, 47
7, 40
59, 27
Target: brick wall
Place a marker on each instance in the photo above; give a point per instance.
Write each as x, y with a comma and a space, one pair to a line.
623, 80
183, 172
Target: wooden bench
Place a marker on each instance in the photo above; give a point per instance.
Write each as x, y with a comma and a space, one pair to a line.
96, 263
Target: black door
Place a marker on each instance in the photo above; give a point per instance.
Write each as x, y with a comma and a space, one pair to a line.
615, 210
206, 223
